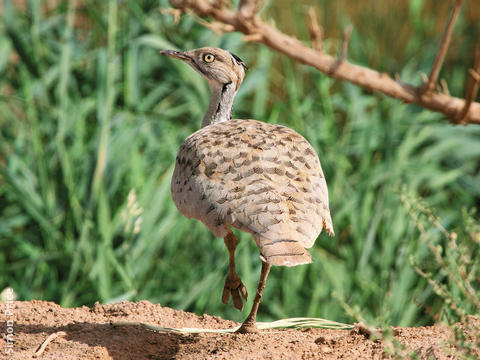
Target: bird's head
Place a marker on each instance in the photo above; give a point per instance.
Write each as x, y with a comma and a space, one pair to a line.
218, 66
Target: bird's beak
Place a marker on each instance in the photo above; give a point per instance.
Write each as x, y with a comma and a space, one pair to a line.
176, 54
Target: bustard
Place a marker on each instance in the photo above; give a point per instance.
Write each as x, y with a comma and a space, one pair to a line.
260, 178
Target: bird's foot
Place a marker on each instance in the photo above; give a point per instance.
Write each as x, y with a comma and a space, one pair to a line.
248, 328
234, 286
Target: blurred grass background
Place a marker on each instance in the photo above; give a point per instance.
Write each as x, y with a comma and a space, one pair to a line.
91, 119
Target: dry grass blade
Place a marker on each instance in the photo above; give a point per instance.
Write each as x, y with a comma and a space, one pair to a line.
300, 322
47, 341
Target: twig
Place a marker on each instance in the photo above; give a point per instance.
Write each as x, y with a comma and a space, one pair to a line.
47, 341
316, 31
472, 86
225, 3
447, 35
249, 8
253, 37
444, 87
176, 13
424, 77
217, 27
346, 41
359, 75
475, 74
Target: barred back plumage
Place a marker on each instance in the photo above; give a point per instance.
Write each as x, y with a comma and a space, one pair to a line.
260, 178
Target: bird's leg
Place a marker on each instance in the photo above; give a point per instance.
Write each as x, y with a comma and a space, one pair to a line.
249, 325
233, 283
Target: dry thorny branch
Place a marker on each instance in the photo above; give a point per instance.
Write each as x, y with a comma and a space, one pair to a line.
246, 20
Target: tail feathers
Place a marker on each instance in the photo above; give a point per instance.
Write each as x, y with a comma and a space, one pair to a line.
283, 252
327, 222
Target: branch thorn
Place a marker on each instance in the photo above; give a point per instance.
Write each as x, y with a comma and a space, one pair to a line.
346, 41
442, 51
316, 31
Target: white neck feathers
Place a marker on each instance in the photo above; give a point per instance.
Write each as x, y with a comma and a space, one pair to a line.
220, 108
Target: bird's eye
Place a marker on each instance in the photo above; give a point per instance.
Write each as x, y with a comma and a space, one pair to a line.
208, 58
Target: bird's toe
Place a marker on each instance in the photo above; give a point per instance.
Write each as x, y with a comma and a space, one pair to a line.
234, 286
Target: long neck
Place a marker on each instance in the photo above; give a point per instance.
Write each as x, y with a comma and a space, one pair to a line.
220, 108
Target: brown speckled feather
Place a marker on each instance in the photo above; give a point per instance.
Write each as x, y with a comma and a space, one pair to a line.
260, 178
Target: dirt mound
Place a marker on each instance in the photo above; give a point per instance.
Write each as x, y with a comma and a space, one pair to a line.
87, 333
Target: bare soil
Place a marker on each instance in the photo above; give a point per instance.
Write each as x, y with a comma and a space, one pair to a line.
89, 334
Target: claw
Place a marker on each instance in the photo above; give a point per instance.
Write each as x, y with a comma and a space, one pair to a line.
234, 286
237, 300
226, 295
244, 292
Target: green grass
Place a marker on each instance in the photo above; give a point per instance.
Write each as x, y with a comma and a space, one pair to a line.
89, 117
